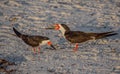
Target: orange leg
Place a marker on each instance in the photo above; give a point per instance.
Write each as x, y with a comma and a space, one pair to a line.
39, 50
76, 47
34, 50
39, 53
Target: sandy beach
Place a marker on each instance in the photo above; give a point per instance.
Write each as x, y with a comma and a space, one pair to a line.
32, 16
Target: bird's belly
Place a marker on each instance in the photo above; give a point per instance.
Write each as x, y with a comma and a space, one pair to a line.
77, 40
33, 44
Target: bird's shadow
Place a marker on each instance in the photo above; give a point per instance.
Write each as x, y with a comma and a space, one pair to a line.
17, 59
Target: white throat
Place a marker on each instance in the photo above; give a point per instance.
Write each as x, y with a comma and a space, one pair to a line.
62, 30
44, 42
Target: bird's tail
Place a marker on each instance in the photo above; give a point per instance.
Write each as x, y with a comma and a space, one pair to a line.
17, 33
105, 34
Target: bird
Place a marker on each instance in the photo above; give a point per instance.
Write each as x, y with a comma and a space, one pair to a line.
79, 36
34, 40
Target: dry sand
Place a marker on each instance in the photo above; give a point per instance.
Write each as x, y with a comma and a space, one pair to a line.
29, 16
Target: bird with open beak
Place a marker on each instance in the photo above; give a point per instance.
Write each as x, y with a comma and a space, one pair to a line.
79, 36
34, 40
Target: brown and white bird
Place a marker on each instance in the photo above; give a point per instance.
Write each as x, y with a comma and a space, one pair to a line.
79, 36
34, 40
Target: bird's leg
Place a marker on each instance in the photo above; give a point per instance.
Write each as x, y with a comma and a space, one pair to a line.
34, 50
38, 49
76, 47
39, 53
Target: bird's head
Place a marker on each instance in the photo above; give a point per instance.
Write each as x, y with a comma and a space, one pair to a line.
62, 27
49, 43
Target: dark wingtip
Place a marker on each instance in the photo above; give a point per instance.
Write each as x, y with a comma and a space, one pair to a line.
106, 34
14, 29
112, 34
16, 32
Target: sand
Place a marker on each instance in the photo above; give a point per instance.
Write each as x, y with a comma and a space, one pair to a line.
31, 16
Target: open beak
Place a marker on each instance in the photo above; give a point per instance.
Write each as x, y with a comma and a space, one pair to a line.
55, 27
50, 44
51, 27
53, 47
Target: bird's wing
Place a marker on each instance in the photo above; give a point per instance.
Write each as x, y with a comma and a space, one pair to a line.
31, 40
77, 36
102, 35
39, 38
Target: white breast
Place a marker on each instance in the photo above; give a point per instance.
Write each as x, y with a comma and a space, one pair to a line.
62, 30
44, 42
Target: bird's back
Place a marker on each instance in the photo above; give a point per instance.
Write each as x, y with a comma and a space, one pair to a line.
33, 40
77, 36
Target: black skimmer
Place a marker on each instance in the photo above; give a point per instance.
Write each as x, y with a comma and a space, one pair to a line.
34, 40
79, 36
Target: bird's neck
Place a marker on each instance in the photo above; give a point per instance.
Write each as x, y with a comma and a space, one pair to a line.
44, 42
63, 31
